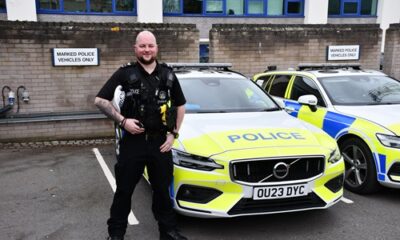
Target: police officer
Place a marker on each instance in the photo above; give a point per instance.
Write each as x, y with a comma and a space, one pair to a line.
146, 138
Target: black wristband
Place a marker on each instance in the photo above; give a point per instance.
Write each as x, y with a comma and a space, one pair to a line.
176, 135
122, 123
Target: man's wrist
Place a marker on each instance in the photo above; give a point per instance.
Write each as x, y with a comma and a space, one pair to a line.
175, 134
122, 122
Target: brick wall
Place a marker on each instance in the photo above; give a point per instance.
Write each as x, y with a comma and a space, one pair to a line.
391, 63
25, 59
250, 48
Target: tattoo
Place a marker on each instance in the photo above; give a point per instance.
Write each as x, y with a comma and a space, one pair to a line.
107, 108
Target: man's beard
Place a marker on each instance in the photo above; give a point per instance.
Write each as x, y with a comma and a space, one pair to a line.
146, 62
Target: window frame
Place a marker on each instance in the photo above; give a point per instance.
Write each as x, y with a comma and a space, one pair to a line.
246, 10
358, 14
114, 11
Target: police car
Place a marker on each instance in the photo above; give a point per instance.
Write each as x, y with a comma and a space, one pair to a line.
238, 153
359, 108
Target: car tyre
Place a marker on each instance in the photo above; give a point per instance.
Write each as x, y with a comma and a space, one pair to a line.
360, 169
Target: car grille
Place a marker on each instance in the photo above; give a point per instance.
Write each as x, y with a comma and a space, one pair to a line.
248, 205
262, 170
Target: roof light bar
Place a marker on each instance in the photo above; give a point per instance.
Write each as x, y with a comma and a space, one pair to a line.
223, 66
326, 66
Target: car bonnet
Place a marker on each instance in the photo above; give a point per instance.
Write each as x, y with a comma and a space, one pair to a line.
209, 134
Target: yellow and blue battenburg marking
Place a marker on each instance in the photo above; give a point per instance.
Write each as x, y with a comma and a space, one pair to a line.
335, 124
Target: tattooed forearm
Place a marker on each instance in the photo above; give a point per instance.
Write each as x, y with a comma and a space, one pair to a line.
107, 108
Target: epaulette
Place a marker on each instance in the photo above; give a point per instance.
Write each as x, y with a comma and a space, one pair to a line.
128, 64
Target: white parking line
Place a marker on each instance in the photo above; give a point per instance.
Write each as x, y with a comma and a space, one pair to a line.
346, 200
131, 218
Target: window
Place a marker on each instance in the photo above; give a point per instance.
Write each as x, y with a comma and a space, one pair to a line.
279, 84
192, 6
204, 50
50, 4
257, 8
352, 7
74, 5
264, 82
303, 86
235, 7
172, 6
368, 7
334, 7
214, 6
101, 5
275, 8
293, 7
2, 5
87, 6
124, 5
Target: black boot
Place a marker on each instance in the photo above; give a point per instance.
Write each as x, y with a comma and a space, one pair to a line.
172, 235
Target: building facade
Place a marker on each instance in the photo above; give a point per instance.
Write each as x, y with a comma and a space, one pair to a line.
204, 13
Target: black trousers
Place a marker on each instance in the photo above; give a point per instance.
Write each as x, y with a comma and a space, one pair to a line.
136, 152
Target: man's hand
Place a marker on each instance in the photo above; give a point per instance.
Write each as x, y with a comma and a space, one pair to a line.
167, 145
133, 126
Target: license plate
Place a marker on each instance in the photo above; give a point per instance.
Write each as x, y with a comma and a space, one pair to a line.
274, 192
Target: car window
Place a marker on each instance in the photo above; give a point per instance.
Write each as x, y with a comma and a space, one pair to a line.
303, 86
362, 90
279, 84
264, 81
224, 95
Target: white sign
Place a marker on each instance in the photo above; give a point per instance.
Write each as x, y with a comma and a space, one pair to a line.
343, 52
75, 56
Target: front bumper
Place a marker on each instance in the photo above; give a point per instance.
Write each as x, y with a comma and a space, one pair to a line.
215, 195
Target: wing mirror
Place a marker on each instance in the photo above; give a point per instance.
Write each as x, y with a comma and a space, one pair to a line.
309, 100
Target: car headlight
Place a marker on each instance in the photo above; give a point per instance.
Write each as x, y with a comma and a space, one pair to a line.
334, 156
389, 140
195, 162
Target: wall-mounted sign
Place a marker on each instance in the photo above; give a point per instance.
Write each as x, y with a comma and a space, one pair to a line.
75, 56
343, 52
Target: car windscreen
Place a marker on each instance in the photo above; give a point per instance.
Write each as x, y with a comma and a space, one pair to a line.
211, 95
362, 90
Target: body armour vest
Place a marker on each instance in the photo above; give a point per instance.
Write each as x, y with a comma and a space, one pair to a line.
144, 99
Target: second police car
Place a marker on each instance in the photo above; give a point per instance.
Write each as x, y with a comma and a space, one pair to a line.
359, 108
238, 153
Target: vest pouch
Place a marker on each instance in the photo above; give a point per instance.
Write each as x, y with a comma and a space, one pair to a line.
129, 108
152, 120
171, 118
